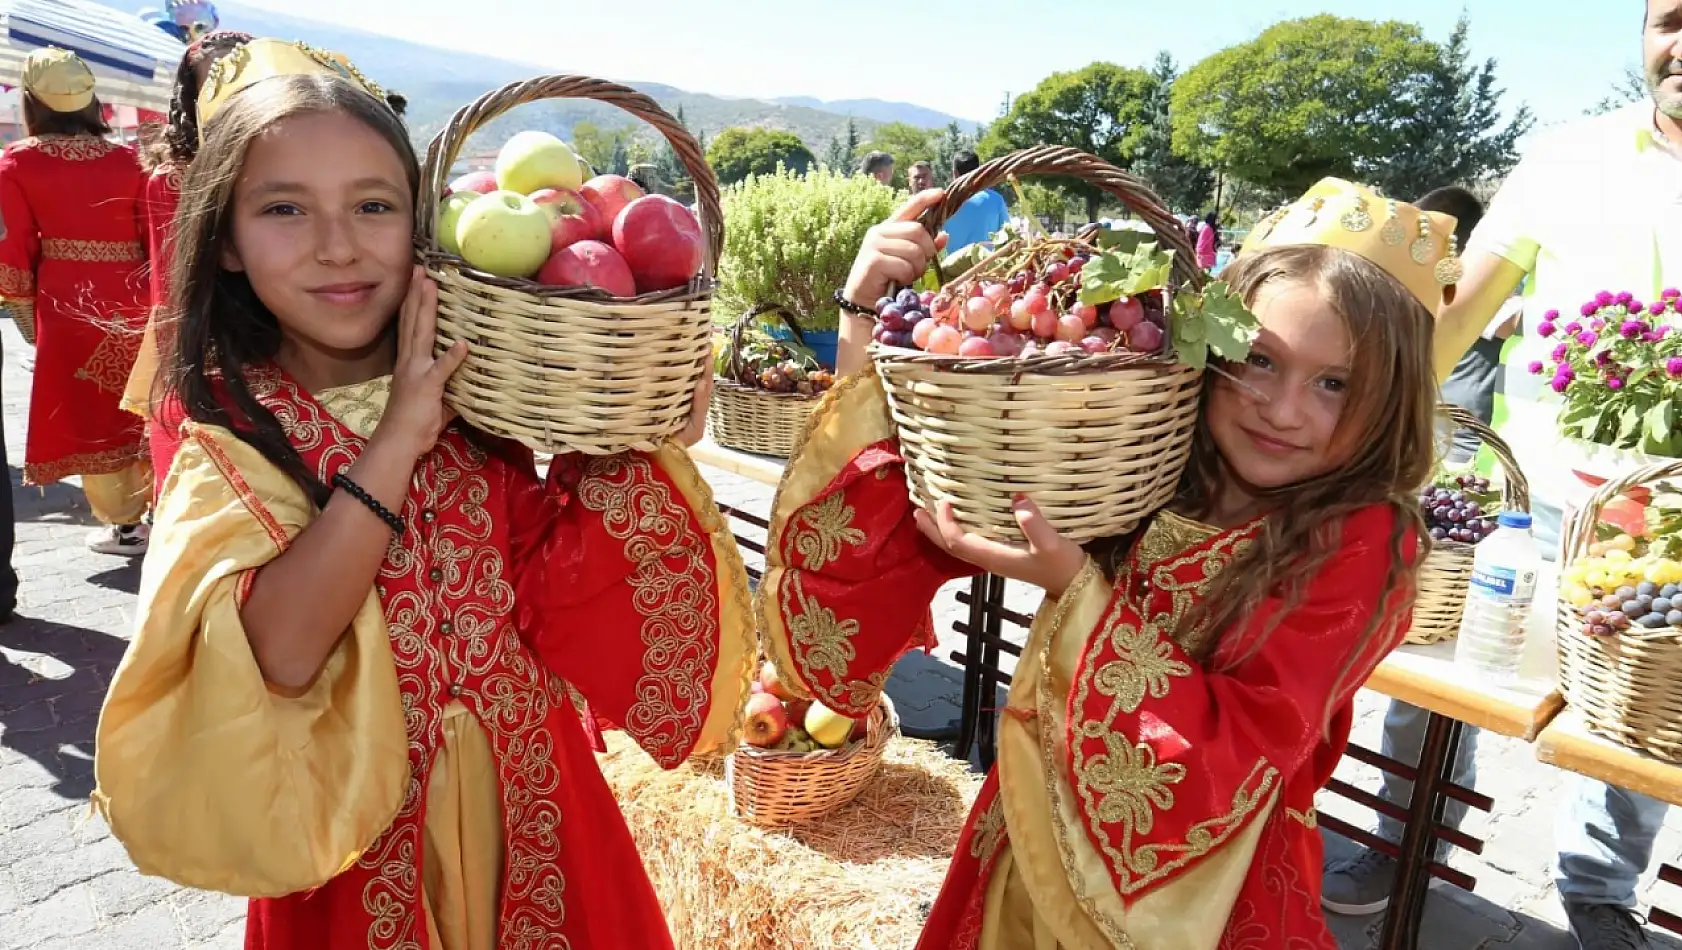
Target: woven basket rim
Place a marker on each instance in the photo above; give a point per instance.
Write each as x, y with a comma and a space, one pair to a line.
1515, 488
887, 730
1068, 364
740, 389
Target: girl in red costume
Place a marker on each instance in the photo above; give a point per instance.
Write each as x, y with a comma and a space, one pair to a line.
366, 630
72, 273
1185, 690
168, 159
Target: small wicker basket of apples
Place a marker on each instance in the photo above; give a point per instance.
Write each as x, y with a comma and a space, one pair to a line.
799, 759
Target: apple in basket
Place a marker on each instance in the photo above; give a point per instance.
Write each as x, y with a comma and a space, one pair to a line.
589, 264
661, 240
771, 683
449, 218
571, 217
610, 194
533, 161
505, 234
473, 183
766, 721
828, 727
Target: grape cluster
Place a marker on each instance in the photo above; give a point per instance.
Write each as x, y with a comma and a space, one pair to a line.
1024, 314
1452, 515
1646, 605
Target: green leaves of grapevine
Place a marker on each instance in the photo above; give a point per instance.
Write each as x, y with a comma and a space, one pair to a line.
1200, 323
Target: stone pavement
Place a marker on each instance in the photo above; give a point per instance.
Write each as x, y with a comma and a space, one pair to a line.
64, 882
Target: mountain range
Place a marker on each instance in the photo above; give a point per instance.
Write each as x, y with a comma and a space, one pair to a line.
438, 81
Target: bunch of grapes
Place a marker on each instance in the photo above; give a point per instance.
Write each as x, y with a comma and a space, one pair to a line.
1025, 314
1646, 605
1453, 515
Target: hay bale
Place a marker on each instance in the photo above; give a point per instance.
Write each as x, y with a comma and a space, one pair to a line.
855, 880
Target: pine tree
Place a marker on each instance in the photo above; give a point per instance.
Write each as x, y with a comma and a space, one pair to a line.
1185, 185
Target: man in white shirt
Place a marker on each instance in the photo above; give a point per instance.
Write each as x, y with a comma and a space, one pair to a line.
1595, 205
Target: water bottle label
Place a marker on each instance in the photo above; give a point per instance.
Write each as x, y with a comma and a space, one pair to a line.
1505, 583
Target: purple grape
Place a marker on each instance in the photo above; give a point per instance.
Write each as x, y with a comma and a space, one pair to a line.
893, 319
883, 303
909, 299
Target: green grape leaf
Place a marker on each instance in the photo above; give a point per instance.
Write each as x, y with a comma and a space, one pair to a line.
1116, 274
1230, 326
1188, 330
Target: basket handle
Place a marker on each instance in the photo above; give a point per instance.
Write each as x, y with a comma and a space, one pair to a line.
741, 325
1074, 163
444, 150
1515, 488
1580, 528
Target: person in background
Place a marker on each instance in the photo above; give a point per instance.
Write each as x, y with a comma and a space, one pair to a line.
168, 158
1208, 241
1361, 883
921, 177
880, 166
1594, 205
72, 264
979, 218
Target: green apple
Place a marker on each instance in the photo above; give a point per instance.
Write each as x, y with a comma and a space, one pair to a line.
533, 161
449, 215
504, 233
828, 727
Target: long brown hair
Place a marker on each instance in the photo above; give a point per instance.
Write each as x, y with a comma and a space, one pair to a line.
39, 119
222, 328
178, 141
1388, 419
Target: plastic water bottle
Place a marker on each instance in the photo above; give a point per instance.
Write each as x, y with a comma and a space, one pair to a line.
1504, 570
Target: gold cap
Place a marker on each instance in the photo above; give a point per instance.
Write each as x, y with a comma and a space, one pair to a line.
1415, 247
58, 79
266, 58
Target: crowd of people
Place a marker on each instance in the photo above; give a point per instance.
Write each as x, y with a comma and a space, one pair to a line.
375, 648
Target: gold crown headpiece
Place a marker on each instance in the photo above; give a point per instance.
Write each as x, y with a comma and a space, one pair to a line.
1415, 247
266, 58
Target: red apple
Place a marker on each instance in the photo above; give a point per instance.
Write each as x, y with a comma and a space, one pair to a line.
661, 240
589, 264
480, 182
571, 218
773, 684
766, 721
796, 709
610, 194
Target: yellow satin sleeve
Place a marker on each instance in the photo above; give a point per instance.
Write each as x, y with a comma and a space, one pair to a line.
206, 776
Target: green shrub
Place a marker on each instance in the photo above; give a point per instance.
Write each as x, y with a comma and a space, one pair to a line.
789, 241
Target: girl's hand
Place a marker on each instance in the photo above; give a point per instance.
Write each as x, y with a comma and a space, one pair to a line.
697, 427
416, 415
894, 253
1050, 560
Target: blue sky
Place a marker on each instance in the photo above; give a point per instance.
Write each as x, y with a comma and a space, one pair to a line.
963, 56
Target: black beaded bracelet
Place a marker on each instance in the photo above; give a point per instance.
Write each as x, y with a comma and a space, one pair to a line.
357, 492
853, 308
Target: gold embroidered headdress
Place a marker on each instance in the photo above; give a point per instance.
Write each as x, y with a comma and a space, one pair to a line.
266, 58
1415, 247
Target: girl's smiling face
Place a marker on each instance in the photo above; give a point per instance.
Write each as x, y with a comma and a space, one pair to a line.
1280, 427
322, 227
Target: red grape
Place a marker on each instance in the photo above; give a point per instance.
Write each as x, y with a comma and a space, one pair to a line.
941, 306
979, 314
1076, 265
996, 293
976, 346
1057, 272
1060, 347
1071, 328
1036, 300
1107, 334
944, 340
920, 333
1006, 343
1094, 344
1021, 317
1087, 313
1145, 338
1126, 313
1045, 324
926, 298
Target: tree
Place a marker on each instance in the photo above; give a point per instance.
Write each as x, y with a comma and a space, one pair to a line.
952, 141
1454, 134
1184, 185
597, 145
906, 143
1631, 87
737, 153
1306, 99
1103, 109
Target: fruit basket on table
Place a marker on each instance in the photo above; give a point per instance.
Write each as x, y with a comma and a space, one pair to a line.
1460, 510
557, 363
1095, 425
1620, 617
798, 760
764, 388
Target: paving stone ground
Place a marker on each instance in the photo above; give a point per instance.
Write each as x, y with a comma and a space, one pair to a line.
65, 883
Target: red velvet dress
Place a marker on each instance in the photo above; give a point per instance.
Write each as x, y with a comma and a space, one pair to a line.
1147, 794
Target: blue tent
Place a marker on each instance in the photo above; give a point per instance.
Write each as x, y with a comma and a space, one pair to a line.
133, 61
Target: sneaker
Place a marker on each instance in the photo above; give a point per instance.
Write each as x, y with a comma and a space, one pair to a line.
1606, 927
127, 540
1360, 885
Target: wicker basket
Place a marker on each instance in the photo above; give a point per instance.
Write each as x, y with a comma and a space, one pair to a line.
570, 369
773, 789
1097, 441
1628, 686
749, 418
1447, 572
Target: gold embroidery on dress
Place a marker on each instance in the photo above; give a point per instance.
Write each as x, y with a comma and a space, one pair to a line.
359, 406
91, 252
1143, 665
1131, 787
1309, 819
828, 647
109, 365
821, 529
16, 281
679, 605
989, 830
71, 148
1170, 535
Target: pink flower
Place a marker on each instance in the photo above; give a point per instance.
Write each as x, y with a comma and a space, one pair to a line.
1573, 328
1673, 366
1551, 315
1560, 384
1614, 382
1632, 329
1546, 329
1657, 308
1637, 306
1603, 357
1624, 298
1597, 324
1536, 367
1589, 309
1604, 299
1560, 352
1587, 338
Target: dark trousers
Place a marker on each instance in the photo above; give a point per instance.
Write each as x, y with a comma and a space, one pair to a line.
8, 532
